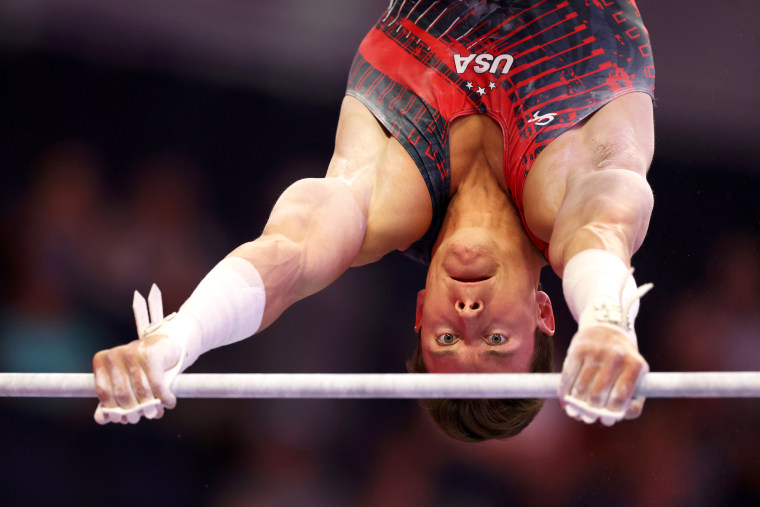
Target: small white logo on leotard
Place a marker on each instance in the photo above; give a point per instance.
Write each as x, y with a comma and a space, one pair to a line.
542, 119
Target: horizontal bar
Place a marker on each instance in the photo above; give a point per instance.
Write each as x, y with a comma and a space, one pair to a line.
386, 385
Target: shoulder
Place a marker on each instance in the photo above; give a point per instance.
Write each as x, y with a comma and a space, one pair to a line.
618, 136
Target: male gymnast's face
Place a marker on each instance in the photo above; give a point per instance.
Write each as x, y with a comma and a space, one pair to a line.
479, 310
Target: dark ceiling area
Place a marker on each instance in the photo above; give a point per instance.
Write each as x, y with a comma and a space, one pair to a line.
706, 52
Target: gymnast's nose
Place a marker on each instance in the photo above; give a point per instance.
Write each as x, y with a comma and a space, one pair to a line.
469, 307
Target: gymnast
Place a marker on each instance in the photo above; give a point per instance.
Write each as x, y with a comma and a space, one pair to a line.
485, 139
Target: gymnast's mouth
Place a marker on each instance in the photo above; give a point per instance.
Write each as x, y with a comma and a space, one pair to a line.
467, 263
470, 279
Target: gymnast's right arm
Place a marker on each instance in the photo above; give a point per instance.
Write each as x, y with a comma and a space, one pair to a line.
317, 229
313, 235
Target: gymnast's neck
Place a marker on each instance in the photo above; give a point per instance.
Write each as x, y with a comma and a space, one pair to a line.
479, 204
481, 212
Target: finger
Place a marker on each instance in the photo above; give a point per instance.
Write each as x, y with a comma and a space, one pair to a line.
100, 417
570, 369
588, 414
138, 379
161, 390
586, 377
577, 410
571, 409
635, 408
147, 410
619, 402
103, 386
121, 385
621, 394
133, 417
575, 401
164, 357
582, 411
605, 380
570, 405
150, 411
150, 407
609, 418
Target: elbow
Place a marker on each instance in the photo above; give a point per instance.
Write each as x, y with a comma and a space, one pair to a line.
630, 200
623, 216
622, 196
635, 212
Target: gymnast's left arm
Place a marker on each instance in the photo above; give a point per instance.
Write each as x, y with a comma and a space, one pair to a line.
601, 222
610, 213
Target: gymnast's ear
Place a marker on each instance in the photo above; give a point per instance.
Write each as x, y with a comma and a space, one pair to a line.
420, 303
544, 314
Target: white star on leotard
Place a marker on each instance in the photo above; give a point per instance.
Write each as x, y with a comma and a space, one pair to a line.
469, 85
491, 85
481, 91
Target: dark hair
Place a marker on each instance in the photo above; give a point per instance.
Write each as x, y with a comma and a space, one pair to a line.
475, 420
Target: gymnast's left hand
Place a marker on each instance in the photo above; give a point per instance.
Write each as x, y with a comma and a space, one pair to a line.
131, 380
599, 376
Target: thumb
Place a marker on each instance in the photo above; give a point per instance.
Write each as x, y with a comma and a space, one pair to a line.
163, 362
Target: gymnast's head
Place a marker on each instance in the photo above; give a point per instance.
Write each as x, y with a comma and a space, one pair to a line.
482, 311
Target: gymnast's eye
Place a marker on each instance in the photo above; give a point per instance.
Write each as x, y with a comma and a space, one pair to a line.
496, 339
446, 339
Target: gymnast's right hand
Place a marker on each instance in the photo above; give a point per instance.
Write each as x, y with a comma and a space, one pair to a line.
131, 380
134, 380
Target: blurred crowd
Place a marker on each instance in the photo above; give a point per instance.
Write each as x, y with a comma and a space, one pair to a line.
76, 247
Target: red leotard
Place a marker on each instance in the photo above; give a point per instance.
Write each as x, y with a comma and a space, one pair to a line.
537, 67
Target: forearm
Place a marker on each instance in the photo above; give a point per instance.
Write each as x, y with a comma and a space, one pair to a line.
602, 222
311, 237
313, 234
606, 210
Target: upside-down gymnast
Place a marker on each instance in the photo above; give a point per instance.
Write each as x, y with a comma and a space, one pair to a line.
485, 139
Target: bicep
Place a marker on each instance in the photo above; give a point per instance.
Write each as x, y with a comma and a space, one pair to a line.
360, 142
385, 182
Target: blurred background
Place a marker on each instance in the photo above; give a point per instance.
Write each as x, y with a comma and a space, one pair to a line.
141, 141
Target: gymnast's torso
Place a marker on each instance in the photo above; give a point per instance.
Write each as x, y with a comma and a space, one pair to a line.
531, 68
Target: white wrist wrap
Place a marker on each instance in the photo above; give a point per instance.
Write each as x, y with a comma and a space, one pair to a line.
600, 291
226, 307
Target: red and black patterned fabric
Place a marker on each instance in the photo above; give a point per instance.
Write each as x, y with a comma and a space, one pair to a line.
537, 67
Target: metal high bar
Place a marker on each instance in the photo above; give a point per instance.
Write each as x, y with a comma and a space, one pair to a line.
386, 385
